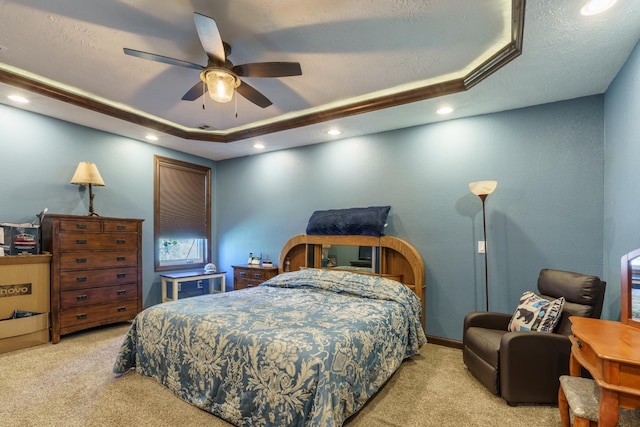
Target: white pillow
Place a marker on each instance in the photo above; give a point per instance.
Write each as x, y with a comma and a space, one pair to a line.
535, 313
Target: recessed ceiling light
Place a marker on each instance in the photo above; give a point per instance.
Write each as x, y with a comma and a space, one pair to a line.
18, 98
596, 6
334, 132
151, 137
444, 110
258, 145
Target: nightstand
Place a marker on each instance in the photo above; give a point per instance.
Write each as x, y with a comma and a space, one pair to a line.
248, 276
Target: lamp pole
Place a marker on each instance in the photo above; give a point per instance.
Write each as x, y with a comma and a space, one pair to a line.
91, 195
483, 197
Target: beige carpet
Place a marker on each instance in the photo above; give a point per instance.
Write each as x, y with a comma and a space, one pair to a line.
71, 384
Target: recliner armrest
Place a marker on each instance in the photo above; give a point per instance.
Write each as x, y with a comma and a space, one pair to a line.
487, 319
531, 364
533, 343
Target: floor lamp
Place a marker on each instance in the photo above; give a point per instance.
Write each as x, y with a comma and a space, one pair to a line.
482, 189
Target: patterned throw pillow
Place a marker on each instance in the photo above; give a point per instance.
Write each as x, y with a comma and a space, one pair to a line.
536, 313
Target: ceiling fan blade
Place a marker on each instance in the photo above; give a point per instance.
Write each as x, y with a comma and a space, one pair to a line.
163, 59
268, 69
195, 92
209, 37
253, 95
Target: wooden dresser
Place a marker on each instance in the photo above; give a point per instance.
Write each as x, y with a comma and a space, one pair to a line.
248, 276
96, 271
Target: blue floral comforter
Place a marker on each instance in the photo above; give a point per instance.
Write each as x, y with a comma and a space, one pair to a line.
306, 348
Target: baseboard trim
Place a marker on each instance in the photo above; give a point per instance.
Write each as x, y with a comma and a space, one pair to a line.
446, 342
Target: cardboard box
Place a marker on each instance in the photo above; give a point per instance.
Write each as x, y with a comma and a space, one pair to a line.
24, 332
20, 239
24, 286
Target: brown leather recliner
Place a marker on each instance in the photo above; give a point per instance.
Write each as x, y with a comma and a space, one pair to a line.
525, 367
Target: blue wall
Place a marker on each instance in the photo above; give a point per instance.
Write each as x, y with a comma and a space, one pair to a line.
565, 198
39, 156
546, 212
622, 178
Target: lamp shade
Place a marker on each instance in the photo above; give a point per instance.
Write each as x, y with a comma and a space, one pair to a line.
87, 173
483, 188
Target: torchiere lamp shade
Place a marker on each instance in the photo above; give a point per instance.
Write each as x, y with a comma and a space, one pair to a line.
483, 188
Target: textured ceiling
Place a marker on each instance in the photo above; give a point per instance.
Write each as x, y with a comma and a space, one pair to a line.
352, 55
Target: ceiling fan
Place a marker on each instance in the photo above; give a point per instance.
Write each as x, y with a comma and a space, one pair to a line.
220, 77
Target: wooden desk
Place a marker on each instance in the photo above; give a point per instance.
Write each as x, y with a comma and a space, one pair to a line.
174, 279
610, 351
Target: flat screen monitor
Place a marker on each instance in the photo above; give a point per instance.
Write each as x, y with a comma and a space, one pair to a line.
364, 253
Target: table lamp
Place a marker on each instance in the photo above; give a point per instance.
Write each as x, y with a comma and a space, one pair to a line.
87, 174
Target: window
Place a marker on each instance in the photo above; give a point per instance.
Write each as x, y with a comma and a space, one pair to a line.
182, 214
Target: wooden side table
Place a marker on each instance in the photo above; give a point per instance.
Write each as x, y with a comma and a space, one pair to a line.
610, 351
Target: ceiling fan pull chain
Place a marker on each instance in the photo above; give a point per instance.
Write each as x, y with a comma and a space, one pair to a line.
204, 98
235, 95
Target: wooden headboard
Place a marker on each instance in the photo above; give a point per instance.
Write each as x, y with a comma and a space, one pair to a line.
398, 260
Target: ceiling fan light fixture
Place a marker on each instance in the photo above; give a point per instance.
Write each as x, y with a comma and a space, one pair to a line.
221, 83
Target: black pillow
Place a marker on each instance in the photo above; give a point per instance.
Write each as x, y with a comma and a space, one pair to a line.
369, 221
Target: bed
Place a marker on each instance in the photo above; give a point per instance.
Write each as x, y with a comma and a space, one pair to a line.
306, 348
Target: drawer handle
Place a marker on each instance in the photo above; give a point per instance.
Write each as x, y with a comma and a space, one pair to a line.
81, 241
121, 292
121, 309
243, 274
121, 241
121, 275
81, 279
81, 297
120, 258
256, 275
81, 316
81, 226
579, 343
81, 260
122, 227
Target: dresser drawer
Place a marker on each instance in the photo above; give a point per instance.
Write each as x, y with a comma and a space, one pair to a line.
80, 225
253, 274
244, 284
88, 278
121, 226
247, 277
101, 295
97, 241
583, 352
79, 318
87, 260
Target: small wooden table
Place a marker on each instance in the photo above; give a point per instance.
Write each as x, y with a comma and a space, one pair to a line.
610, 351
174, 279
